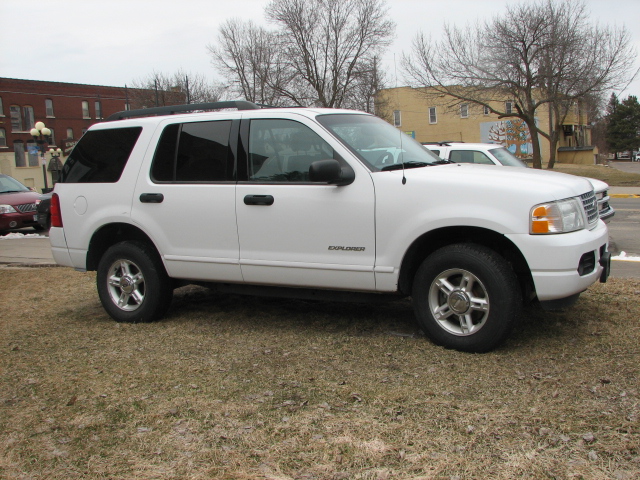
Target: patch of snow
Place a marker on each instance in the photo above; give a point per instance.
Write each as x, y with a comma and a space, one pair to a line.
626, 258
14, 235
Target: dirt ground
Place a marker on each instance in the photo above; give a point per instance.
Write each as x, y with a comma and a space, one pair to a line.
250, 388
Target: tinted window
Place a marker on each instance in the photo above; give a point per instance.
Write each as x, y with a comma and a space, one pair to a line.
100, 156
283, 150
193, 152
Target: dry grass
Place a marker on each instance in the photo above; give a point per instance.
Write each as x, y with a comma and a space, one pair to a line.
610, 175
244, 388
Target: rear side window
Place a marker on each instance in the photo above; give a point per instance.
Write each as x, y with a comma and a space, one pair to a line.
194, 152
100, 156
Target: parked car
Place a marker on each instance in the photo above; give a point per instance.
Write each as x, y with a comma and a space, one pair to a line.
305, 203
495, 154
43, 211
17, 205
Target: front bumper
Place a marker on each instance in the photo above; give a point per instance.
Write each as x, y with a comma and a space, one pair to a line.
563, 265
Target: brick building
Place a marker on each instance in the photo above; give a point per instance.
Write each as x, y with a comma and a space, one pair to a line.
67, 109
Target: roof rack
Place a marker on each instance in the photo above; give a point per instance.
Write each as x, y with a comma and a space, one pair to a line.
170, 110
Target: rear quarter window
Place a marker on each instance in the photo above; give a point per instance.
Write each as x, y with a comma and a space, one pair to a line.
100, 156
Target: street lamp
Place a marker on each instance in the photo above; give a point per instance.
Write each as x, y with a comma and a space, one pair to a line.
54, 164
41, 135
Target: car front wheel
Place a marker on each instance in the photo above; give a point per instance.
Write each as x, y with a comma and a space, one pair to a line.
466, 297
133, 285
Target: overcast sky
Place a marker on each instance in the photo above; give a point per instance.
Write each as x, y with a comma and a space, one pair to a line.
112, 42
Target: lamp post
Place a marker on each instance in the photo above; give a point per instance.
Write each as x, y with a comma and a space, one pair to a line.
54, 163
41, 135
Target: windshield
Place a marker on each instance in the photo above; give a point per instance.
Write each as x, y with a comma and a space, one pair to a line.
506, 158
10, 184
378, 144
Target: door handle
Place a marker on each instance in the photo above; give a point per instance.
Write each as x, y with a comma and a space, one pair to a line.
258, 200
151, 197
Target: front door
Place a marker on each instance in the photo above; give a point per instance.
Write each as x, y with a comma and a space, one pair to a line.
296, 233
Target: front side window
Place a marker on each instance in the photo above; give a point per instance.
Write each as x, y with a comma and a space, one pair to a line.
194, 153
469, 156
464, 110
283, 151
100, 156
16, 118
433, 117
48, 104
85, 110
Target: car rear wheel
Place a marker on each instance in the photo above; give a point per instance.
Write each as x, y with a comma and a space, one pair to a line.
133, 285
466, 297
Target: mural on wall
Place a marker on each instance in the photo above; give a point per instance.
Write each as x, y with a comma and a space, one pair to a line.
512, 133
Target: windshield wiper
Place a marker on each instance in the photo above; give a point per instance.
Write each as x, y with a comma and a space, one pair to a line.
400, 166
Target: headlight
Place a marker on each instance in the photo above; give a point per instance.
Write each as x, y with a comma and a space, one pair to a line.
557, 217
7, 209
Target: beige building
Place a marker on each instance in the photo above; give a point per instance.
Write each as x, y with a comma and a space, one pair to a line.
431, 117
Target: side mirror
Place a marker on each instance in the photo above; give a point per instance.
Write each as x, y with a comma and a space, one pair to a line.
330, 171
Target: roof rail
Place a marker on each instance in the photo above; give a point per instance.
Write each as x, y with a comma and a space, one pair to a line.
171, 109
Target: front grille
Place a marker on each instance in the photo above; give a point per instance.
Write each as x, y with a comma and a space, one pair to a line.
590, 206
26, 207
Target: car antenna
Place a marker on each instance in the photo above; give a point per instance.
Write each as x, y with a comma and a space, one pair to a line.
404, 179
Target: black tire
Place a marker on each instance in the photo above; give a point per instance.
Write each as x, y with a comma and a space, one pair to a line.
133, 285
466, 297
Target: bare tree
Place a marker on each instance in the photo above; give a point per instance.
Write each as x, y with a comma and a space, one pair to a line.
159, 89
539, 53
247, 56
322, 53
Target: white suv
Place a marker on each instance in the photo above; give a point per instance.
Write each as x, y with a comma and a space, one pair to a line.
495, 154
319, 203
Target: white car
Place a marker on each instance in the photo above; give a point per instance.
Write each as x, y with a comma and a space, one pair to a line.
322, 204
496, 154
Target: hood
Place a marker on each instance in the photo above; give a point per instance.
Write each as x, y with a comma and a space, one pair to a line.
528, 182
19, 198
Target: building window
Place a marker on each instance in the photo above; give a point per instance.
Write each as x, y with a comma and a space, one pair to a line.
98, 109
29, 119
397, 119
3, 138
16, 118
48, 105
486, 110
464, 110
18, 148
1, 108
70, 133
85, 110
433, 116
52, 138
32, 151
508, 107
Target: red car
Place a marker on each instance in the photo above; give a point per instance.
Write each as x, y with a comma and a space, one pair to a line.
17, 205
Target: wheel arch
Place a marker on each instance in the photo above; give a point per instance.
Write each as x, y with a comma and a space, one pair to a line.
429, 242
109, 235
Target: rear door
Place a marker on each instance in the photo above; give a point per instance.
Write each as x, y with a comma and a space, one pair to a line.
185, 199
